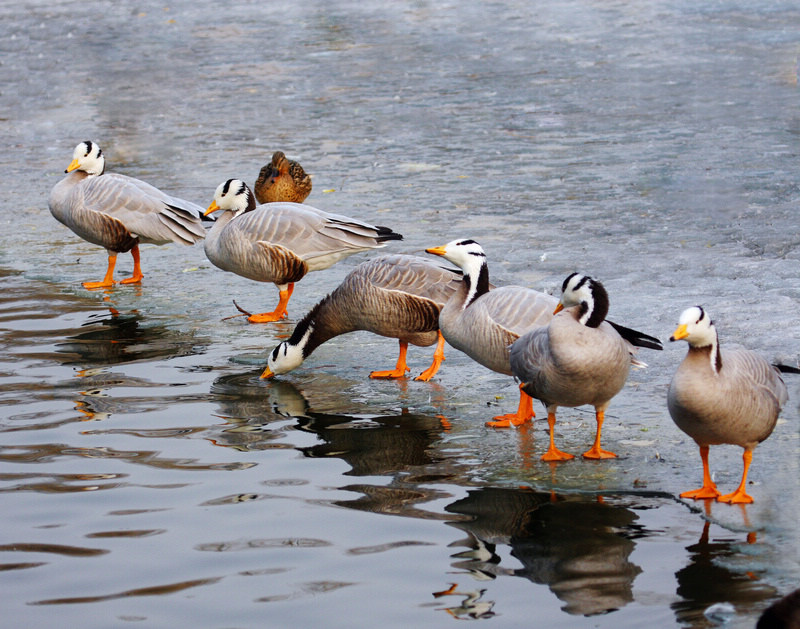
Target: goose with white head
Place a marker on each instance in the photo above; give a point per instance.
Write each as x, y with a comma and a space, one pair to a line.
118, 212
578, 358
281, 242
722, 396
482, 321
397, 296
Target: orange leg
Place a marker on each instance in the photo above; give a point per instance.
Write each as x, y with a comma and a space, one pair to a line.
137, 269
108, 280
438, 357
596, 452
553, 453
524, 413
709, 489
740, 495
280, 310
400, 369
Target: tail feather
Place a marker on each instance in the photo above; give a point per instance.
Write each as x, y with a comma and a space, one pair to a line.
634, 337
385, 233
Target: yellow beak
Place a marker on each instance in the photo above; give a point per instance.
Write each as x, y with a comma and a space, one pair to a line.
211, 208
559, 308
679, 333
267, 374
73, 165
437, 251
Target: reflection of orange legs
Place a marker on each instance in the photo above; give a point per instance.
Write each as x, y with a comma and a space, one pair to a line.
740, 495
709, 489
596, 452
137, 269
400, 369
524, 413
108, 280
438, 357
553, 453
280, 310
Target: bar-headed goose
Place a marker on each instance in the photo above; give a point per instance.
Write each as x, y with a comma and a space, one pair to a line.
397, 296
578, 358
119, 212
716, 396
282, 179
482, 323
281, 242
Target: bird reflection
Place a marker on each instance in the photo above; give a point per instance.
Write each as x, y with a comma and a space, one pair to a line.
706, 580
110, 339
472, 607
401, 446
116, 338
577, 546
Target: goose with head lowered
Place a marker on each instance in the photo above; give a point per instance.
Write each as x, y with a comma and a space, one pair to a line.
281, 242
118, 212
397, 296
283, 179
577, 358
482, 321
722, 396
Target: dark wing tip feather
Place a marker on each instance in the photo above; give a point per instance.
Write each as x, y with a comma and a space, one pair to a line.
639, 339
786, 368
386, 233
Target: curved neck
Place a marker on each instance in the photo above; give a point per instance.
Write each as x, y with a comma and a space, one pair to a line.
476, 282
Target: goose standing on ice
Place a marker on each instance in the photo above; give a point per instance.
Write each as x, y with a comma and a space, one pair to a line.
281, 242
578, 358
119, 212
482, 323
282, 179
716, 396
396, 296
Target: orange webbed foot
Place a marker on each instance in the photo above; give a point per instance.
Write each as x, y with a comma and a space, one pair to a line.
134, 279
704, 492
506, 421
554, 454
389, 373
267, 317
598, 453
736, 497
100, 284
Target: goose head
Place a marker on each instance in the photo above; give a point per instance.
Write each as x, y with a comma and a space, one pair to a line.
233, 196
588, 294
87, 157
290, 354
468, 255
696, 327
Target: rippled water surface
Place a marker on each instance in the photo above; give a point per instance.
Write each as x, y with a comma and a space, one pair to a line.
150, 478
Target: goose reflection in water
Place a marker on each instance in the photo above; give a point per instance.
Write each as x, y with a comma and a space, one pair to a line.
117, 339
402, 446
579, 547
711, 576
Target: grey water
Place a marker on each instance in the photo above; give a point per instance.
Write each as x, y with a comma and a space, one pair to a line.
150, 478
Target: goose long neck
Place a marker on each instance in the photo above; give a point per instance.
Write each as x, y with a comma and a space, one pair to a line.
711, 351
321, 324
212, 236
476, 282
593, 309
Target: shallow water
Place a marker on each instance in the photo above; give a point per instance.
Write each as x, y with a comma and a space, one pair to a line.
151, 477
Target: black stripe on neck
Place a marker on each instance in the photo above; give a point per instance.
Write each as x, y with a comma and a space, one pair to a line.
481, 286
600, 307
